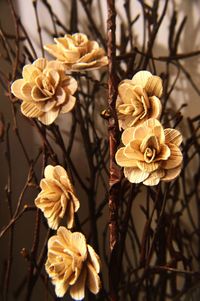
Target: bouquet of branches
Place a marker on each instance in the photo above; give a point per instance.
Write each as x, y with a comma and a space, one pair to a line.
100, 196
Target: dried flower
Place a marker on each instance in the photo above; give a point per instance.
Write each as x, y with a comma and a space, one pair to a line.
138, 99
77, 52
45, 90
57, 197
72, 263
151, 153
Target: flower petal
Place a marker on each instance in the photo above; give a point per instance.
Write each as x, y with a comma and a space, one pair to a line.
69, 105
56, 65
150, 141
171, 174
77, 291
126, 92
71, 56
93, 280
49, 172
30, 72
173, 136
48, 118
54, 77
26, 89
135, 175
84, 66
60, 96
63, 204
94, 259
164, 153
123, 160
154, 178
154, 86
48, 105
132, 150
40, 63
87, 58
70, 214
158, 131
141, 131
58, 172
128, 135
156, 107
152, 122
147, 167
141, 78
79, 242
70, 83
16, 87
93, 45
61, 288
63, 236
37, 95
56, 51
30, 109
80, 38
64, 42
175, 158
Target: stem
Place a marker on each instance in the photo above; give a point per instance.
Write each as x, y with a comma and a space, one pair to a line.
114, 180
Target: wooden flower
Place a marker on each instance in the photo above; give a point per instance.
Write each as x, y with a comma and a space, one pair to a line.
138, 99
150, 153
72, 264
57, 197
45, 90
77, 52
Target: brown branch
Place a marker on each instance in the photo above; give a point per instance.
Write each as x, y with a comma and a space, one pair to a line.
114, 180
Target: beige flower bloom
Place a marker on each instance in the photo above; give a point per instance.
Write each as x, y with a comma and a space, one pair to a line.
45, 90
77, 52
138, 99
151, 153
57, 197
72, 263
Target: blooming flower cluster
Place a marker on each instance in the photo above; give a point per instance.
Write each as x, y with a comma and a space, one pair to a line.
71, 262
45, 89
150, 152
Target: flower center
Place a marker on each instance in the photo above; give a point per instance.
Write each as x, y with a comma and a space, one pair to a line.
149, 154
47, 87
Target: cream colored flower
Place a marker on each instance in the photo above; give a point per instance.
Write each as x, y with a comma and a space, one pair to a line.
57, 197
72, 264
151, 153
45, 90
138, 99
77, 52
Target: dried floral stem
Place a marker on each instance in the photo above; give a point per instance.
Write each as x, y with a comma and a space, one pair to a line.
114, 181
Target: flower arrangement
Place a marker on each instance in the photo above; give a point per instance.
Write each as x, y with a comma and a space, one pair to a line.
150, 154
112, 193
